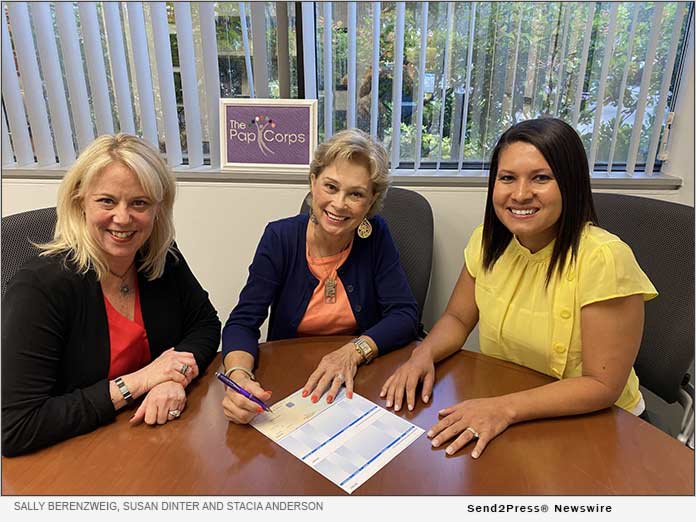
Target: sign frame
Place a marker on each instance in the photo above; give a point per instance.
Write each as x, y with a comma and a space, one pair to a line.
265, 168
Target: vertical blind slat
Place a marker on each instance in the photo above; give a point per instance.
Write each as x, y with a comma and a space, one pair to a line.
55, 93
16, 116
622, 88
445, 77
258, 36
664, 91
74, 74
165, 77
397, 83
655, 29
328, 71
247, 50
96, 69
212, 79
309, 57
31, 82
467, 86
606, 59
119, 66
283, 49
374, 88
421, 84
189, 83
143, 76
564, 47
352, 61
7, 153
510, 95
583, 64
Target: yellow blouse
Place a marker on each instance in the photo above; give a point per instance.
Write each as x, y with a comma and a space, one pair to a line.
522, 322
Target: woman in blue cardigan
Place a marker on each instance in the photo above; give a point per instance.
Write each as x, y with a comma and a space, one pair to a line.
333, 272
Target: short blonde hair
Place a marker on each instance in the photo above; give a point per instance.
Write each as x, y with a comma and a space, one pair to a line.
357, 146
72, 235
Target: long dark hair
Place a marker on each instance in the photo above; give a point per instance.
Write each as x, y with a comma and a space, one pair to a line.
563, 151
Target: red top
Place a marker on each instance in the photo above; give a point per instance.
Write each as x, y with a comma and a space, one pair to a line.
130, 349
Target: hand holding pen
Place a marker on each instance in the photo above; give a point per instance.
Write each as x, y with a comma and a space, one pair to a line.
244, 398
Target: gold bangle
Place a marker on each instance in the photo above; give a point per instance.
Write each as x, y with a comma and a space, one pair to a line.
249, 373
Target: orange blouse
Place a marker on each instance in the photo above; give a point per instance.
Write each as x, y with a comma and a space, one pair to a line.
323, 318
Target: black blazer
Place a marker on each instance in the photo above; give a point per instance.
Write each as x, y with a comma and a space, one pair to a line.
56, 348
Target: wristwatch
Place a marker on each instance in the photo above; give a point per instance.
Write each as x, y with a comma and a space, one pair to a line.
364, 349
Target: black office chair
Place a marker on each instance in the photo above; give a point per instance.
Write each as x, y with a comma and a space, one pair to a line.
410, 221
18, 233
661, 235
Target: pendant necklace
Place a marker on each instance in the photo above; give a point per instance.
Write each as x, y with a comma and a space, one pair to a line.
330, 282
124, 288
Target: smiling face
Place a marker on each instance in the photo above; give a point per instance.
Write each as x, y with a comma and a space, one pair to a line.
342, 195
119, 215
526, 197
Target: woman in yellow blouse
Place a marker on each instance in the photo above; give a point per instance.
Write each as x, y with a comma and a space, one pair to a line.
549, 290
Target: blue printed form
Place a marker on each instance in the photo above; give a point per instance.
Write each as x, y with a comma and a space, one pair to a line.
347, 441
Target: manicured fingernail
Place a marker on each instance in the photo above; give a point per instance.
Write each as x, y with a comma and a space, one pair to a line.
349, 395
329, 399
305, 393
382, 394
410, 407
441, 412
426, 398
435, 443
449, 450
315, 398
397, 408
388, 404
259, 409
474, 455
429, 434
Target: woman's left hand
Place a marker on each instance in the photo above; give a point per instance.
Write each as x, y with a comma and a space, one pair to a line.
163, 403
334, 369
482, 419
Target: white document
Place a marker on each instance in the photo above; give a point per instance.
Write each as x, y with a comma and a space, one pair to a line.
347, 441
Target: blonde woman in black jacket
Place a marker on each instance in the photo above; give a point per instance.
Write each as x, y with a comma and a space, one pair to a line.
109, 311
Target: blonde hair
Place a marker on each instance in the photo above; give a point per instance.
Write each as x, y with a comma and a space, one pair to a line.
72, 235
356, 146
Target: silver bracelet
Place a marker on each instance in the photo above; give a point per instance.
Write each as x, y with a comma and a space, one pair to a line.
124, 390
249, 373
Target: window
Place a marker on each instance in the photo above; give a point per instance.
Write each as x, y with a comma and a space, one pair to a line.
468, 70
437, 82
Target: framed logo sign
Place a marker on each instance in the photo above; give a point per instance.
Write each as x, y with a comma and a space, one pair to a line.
267, 135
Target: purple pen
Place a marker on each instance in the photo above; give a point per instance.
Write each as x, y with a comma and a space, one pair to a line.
224, 379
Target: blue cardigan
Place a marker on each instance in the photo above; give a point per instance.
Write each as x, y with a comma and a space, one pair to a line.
279, 277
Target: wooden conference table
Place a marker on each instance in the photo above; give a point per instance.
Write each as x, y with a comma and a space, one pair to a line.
606, 453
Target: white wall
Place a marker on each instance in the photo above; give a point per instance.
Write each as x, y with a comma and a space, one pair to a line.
219, 224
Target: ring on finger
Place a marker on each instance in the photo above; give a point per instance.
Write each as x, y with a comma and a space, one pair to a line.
339, 377
174, 414
184, 369
473, 432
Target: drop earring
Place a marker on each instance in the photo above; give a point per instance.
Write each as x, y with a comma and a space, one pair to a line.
364, 229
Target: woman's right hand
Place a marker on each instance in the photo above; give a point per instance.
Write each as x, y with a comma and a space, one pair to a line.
168, 367
419, 367
239, 409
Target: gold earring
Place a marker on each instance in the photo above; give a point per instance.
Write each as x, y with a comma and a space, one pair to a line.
364, 229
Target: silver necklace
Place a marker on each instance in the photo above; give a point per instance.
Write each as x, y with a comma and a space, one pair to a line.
124, 288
